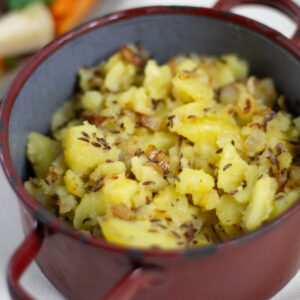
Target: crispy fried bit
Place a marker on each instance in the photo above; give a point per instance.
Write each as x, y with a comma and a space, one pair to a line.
150, 122
255, 125
122, 211
131, 56
93, 118
158, 159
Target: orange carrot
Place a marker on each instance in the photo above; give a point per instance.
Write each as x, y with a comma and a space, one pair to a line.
68, 13
61, 8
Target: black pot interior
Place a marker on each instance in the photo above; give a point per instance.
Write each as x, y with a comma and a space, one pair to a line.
163, 36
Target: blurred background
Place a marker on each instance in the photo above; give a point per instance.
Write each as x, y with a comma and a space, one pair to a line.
28, 25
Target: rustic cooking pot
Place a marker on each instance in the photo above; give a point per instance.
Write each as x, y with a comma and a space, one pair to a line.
254, 266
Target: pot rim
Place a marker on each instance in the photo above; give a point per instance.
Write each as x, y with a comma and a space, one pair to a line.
43, 215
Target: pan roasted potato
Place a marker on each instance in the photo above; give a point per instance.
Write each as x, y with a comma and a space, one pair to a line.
183, 154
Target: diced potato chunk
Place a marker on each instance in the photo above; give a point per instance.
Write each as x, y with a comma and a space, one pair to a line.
66, 202
35, 190
141, 102
91, 100
222, 75
119, 190
143, 196
229, 211
285, 201
206, 236
244, 191
157, 80
147, 175
41, 151
261, 203
194, 181
187, 65
108, 168
141, 234
184, 112
189, 88
169, 203
137, 99
85, 75
74, 183
120, 76
81, 153
208, 201
162, 140
255, 142
239, 67
91, 206
211, 129
231, 169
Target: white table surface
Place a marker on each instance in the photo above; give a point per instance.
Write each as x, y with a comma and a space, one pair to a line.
10, 228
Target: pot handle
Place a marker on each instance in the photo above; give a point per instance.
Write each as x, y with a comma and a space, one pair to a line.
134, 281
287, 6
19, 262
125, 289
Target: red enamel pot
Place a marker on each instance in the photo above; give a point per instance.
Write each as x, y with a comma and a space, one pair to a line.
255, 266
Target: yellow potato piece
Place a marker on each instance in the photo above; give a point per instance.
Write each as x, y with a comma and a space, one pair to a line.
91, 206
137, 99
41, 151
284, 202
91, 100
239, 67
81, 154
147, 175
194, 181
261, 203
231, 169
190, 87
229, 211
74, 183
197, 109
208, 201
140, 234
120, 76
211, 129
157, 80
169, 203
119, 189
108, 168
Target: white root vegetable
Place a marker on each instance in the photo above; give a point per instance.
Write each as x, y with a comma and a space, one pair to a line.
26, 30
